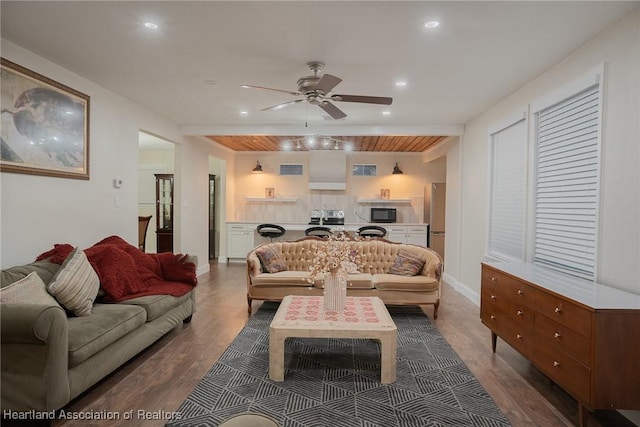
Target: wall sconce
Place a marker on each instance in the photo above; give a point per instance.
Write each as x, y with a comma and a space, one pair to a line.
258, 168
396, 170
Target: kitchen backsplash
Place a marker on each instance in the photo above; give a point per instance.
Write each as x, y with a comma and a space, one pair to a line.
298, 210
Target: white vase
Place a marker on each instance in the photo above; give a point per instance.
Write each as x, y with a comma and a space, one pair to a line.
335, 290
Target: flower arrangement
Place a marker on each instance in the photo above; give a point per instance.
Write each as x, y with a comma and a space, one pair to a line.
337, 252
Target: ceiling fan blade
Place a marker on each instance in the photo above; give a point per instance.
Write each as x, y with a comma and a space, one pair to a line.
269, 88
332, 110
327, 82
364, 99
284, 104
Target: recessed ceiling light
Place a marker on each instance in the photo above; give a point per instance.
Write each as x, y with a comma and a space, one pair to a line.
401, 83
386, 113
151, 25
244, 113
431, 24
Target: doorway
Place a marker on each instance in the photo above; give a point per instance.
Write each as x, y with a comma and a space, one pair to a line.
155, 156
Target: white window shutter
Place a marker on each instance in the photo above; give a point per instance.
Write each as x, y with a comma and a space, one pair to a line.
508, 192
567, 184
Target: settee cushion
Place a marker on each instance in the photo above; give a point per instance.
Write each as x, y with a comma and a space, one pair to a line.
76, 284
289, 278
108, 322
28, 290
406, 264
394, 282
271, 259
157, 305
360, 281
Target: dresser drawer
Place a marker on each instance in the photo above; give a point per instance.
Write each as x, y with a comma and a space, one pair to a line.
496, 298
564, 312
564, 370
518, 336
549, 332
493, 317
512, 289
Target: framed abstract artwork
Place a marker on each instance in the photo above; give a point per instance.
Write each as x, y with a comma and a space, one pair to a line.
44, 125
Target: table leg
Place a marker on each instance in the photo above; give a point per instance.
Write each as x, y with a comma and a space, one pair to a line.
388, 351
276, 356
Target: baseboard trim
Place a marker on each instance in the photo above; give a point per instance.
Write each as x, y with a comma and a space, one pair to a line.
469, 293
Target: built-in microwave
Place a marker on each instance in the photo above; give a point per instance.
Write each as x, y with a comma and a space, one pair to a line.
383, 215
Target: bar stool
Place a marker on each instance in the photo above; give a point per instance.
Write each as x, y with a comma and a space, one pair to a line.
322, 232
372, 231
270, 230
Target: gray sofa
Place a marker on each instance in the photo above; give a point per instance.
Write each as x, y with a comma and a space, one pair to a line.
49, 357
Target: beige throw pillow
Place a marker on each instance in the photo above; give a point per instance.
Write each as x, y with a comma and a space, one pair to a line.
28, 290
76, 284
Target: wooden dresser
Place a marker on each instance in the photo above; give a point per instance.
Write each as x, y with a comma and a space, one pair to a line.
584, 336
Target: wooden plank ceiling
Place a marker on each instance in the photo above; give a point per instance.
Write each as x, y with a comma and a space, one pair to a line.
412, 144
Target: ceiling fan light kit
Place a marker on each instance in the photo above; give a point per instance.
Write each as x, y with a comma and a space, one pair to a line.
317, 90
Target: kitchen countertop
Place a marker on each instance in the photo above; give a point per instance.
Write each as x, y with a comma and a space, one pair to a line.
349, 226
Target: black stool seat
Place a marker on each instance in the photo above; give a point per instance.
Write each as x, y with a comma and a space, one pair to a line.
322, 232
270, 230
372, 231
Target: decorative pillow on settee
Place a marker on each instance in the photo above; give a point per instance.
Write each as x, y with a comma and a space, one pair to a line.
28, 290
271, 259
76, 284
406, 264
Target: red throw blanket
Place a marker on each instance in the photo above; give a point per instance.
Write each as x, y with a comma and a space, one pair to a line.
126, 272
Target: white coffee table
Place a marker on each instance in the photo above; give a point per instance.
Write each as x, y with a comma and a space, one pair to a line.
306, 317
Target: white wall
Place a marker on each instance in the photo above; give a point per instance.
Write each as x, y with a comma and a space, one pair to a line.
619, 247
38, 212
410, 185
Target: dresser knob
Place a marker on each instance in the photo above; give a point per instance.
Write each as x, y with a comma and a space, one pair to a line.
493, 296
520, 312
556, 364
557, 335
519, 336
493, 317
557, 310
494, 279
520, 292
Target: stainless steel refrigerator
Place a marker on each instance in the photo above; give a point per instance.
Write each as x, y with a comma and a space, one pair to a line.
437, 217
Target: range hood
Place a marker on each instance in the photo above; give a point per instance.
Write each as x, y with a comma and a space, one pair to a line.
327, 170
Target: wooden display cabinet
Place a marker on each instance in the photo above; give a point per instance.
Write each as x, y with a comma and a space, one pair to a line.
164, 212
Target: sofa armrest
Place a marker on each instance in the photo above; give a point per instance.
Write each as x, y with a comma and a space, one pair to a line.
34, 359
253, 264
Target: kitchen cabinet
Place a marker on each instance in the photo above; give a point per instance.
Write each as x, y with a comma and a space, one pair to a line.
164, 212
580, 334
240, 238
410, 234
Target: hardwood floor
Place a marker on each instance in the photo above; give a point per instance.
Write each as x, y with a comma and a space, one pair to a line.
155, 383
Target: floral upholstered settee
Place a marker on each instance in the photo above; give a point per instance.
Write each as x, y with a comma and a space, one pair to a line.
399, 274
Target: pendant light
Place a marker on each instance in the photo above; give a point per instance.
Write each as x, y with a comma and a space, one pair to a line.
258, 168
396, 170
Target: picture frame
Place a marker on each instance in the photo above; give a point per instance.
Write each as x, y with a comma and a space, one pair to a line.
269, 193
44, 127
385, 193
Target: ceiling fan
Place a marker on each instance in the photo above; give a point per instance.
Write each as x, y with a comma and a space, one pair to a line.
316, 90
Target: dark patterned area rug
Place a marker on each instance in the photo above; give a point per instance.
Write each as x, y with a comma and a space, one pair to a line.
336, 382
